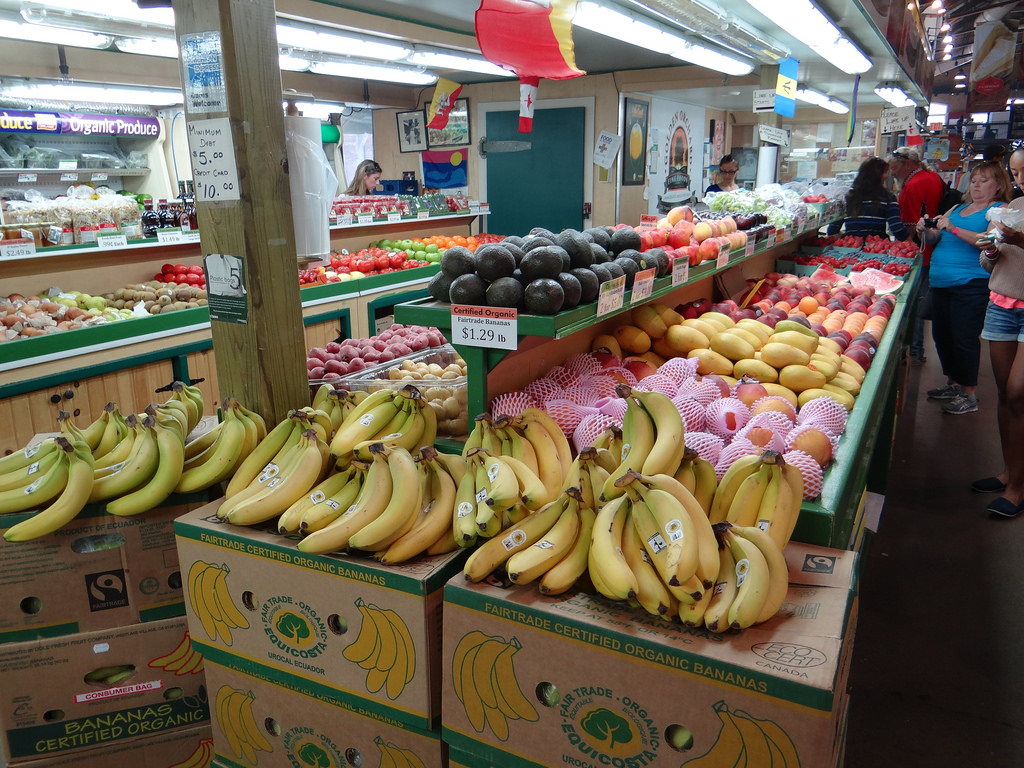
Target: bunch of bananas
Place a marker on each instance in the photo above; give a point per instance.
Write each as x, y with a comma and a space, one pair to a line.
484, 678
396, 418
183, 660
201, 757
110, 675
763, 491
236, 721
746, 740
214, 456
337, 403
384, 648
54, 478
393, 756
211, 601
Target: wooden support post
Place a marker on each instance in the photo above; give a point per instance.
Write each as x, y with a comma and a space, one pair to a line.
260, 361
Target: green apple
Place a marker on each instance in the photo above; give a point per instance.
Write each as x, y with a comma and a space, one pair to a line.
432, 248
433, 257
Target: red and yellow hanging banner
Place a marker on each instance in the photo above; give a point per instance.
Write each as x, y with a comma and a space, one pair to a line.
445, 94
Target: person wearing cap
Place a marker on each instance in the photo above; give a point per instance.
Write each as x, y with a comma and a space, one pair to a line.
921, 191
367, 175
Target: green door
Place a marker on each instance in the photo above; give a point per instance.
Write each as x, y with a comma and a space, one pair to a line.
541, 186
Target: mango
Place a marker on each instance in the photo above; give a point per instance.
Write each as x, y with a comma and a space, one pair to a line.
853, 368
668, 315
709, 361
724, 321
843, 398
684, 339
777, 390
609, 342
778, 355
649, 321
801, 377
753, 326
798, 340
706, 327
731, 345
632, 339
755, 369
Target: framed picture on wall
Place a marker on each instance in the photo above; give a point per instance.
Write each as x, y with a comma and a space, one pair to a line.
634, 143
456, 133
412, 131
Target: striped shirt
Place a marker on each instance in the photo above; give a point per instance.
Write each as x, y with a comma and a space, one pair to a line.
875, 216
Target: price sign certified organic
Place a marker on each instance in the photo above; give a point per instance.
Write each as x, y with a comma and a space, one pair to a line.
489, 327
643, 286
610, 298
17, 248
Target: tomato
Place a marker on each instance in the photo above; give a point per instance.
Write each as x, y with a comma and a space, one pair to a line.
195, 269
381, 260
167, 269
159, 276
181, 277
365, 265
397, 260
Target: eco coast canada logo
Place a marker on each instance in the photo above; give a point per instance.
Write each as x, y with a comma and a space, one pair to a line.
293, 628
305, 748
605, 729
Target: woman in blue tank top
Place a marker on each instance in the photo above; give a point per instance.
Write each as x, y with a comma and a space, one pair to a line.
959, 288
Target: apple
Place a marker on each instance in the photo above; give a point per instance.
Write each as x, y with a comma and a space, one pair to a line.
819, 329
750, 391
692, 254
639, 367
709, 249
679, 237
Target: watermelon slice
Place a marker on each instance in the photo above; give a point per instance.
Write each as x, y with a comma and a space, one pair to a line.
825, 274
881, 281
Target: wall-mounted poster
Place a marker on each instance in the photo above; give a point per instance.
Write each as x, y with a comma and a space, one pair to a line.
412, 131
678, 165
456, 132
634, 133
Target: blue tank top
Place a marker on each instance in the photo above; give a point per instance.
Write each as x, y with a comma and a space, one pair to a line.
954, 261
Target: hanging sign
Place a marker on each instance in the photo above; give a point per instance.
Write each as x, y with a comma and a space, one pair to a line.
203, 68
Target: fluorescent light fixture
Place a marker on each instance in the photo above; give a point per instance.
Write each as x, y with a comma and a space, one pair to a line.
936, 5
321, 110
112, 17
444, 60
947, 39
894, 95
362, 71
820, 99
34, 33
712, 59
945, 27
622, 25
947, 48
960, 75
107, 94
310, 39
289, 62
163, 47
803, 20
961, 85
979, 117
947, 57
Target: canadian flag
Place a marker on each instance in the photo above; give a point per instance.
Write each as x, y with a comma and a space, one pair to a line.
527, 100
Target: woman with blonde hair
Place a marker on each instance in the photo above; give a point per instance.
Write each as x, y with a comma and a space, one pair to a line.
367, 175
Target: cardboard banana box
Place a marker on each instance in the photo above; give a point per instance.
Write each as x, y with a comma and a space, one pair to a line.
578, 680
177, 749
253, 598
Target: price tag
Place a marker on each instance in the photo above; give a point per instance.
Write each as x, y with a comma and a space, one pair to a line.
474, 204
648, 222
787, 234
99, 177
112, 240
69, 177
611, 296
420, 215
168, 236
26, 178
485, 209
748, 249
365, 218
394, 217
680, 271
643, 286
192, 236
18, 248
213, 160
67, 165
723, 257
491, 327
474, 210
345, 219
770, 240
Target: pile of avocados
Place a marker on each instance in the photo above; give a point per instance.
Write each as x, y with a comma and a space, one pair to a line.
543, 273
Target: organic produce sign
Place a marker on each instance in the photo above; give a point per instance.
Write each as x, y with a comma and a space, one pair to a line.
490, 327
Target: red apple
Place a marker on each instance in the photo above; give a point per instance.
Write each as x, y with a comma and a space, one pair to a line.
638, 367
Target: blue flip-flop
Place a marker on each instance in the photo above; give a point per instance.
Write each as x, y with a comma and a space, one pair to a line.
1005, 508
988, 485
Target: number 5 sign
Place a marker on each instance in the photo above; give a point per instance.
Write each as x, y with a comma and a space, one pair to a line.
213, 160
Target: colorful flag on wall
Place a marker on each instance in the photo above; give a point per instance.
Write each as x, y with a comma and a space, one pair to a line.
533, 39
445, 94
445, 168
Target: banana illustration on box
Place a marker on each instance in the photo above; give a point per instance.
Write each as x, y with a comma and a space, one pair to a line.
484, 679
183, 660
384, 648
393, 756
202, 757
211, 601
236, 721
745, 740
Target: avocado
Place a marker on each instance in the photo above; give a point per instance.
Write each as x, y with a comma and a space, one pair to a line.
530, 242
505, 292
589, 284
615, 269
518, 275
657, 258
515, 250
600, 236
543, 262
515, 240
629, 253
571, 288
468, 289
457, 260
585, 234
629, 269
544, 296
578, 249
603, 273
623, 238
438, 287
543, 232
601, 256
494, 260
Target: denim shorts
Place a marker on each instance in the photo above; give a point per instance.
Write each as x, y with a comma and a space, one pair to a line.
1003, 324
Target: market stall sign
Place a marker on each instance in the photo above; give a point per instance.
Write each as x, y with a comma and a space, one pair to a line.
643, 286
22, 121
18, 248
764, 100
213, 160
488, 327
680, 271
773, 135
611, 296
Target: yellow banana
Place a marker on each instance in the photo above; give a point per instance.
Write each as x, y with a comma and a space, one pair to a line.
19, 478
138, 468
652, 594
72, 498
320, 396
606, 561
259, 421
227, 453
290, 520
113, 431
280, 438
365, 421
543, 419
198, 445
403, 507
325, 512
454, 463
796, 484
562, 576
464, 512
675, 520
737, 472
778, 571
497, 550
531, 563
659, 534
716, 615
435, 517
705, 483
707, 544
21, 459
503, 483
93, 433
161, 483
638, 436
475, 437
670, 432
68, 428
522, 449
549, 466
749, 495
396, 432
44, 488
692, 614
753, 581
191, 406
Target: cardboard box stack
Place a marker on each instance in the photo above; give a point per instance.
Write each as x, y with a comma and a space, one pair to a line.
83, 613
340, 646
575, 680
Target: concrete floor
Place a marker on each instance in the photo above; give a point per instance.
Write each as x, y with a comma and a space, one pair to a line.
937, 672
